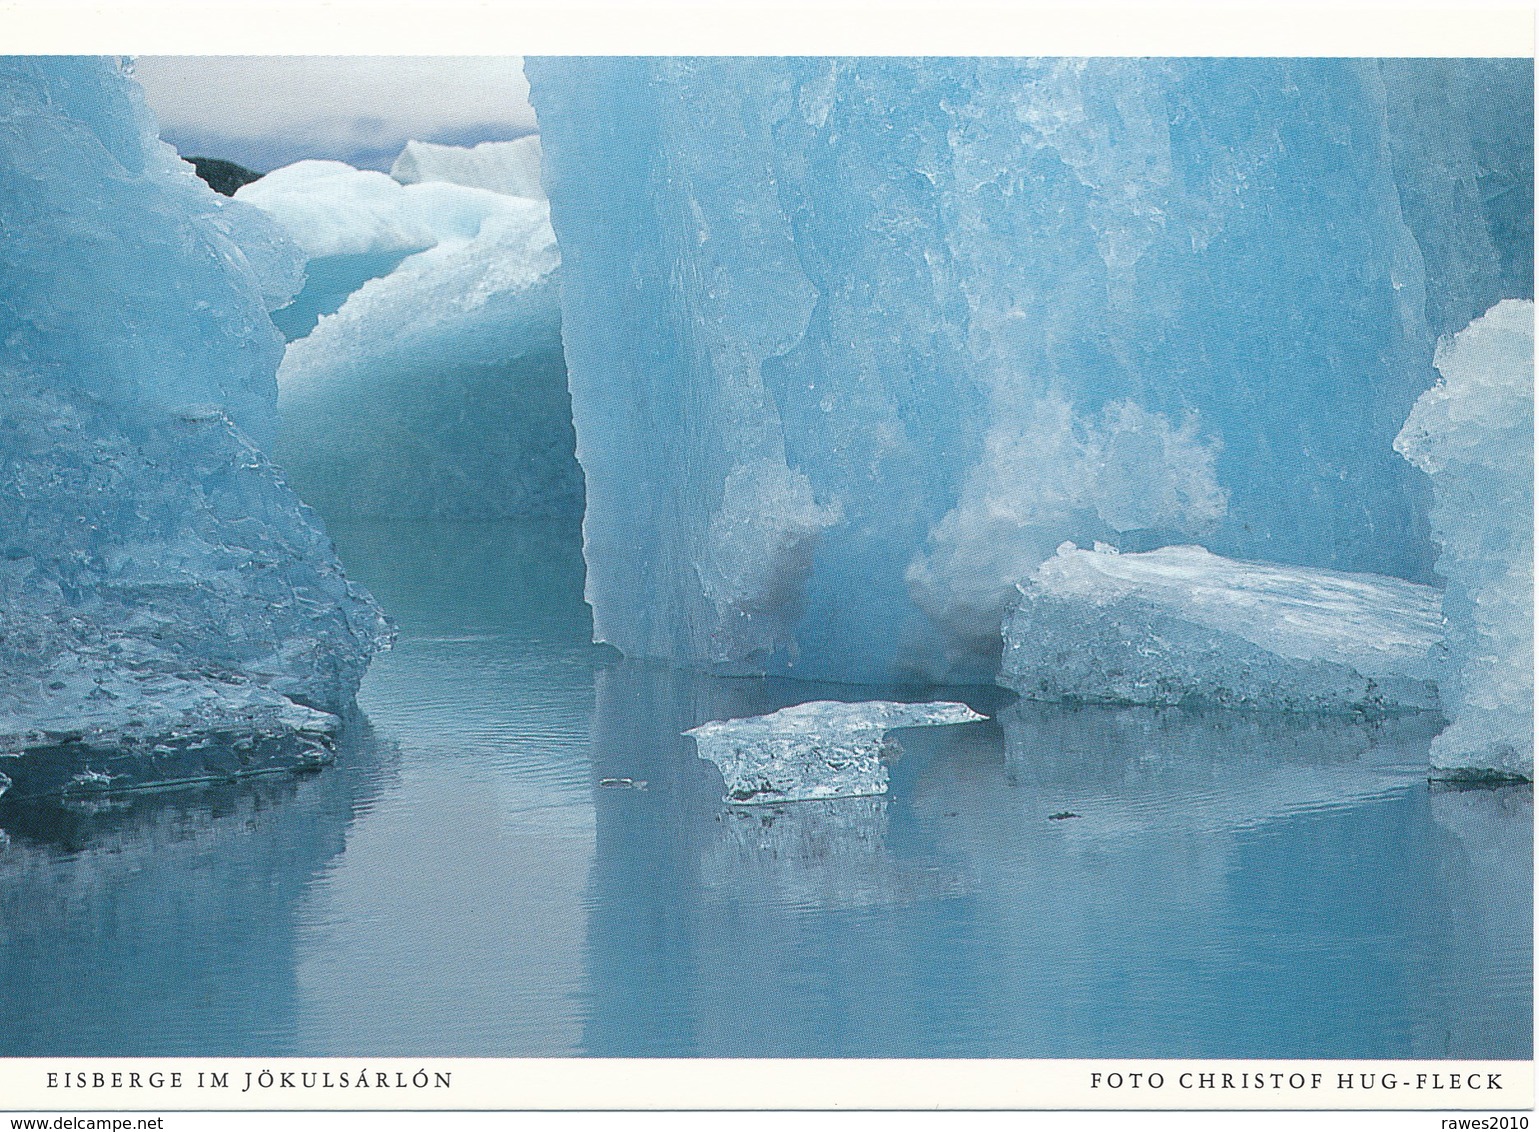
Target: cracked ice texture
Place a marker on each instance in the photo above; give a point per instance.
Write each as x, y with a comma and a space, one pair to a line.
1181, 625
821, 749
950, 313
156, 576
1461, 134
1473, 433
438, 388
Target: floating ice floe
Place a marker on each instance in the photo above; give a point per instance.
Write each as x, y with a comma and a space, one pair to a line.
821, 749
1181, 625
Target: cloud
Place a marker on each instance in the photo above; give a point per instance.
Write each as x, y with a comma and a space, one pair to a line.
266, 111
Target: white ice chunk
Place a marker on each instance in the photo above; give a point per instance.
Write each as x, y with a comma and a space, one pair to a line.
329, 209
355, 225
1181, 624
440, 388
1473, 433
511, 167
821, 749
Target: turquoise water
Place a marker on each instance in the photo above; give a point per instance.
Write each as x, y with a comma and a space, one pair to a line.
460, 883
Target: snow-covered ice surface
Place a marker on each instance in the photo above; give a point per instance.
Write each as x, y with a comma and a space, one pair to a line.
1473, 433
158, 580
511, 167
432, 382
1183, 625
855, 344
821, 749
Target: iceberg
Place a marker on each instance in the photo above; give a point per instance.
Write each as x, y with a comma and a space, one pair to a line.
1181, 625
428, 380
511, 167
158, 579
354, 225
821, 749
854, 344
1473, 434
440, 389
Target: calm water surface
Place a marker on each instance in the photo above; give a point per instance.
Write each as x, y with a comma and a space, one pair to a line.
460, 884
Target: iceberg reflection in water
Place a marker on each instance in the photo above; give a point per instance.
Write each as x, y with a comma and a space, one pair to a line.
828, 855
172, 923
459, 882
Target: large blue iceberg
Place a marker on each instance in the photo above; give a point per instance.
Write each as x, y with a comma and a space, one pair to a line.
426, 377
158, 580
854, 345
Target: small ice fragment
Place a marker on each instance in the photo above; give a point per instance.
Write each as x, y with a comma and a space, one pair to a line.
822, 749
312, 759
623, 783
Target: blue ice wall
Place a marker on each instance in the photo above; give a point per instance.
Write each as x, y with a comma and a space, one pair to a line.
1462, 137
121, 271
855, 344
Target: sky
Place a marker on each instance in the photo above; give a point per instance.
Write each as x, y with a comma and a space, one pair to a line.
267, 111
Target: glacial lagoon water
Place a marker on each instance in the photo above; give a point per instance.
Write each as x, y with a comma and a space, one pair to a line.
460, 883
